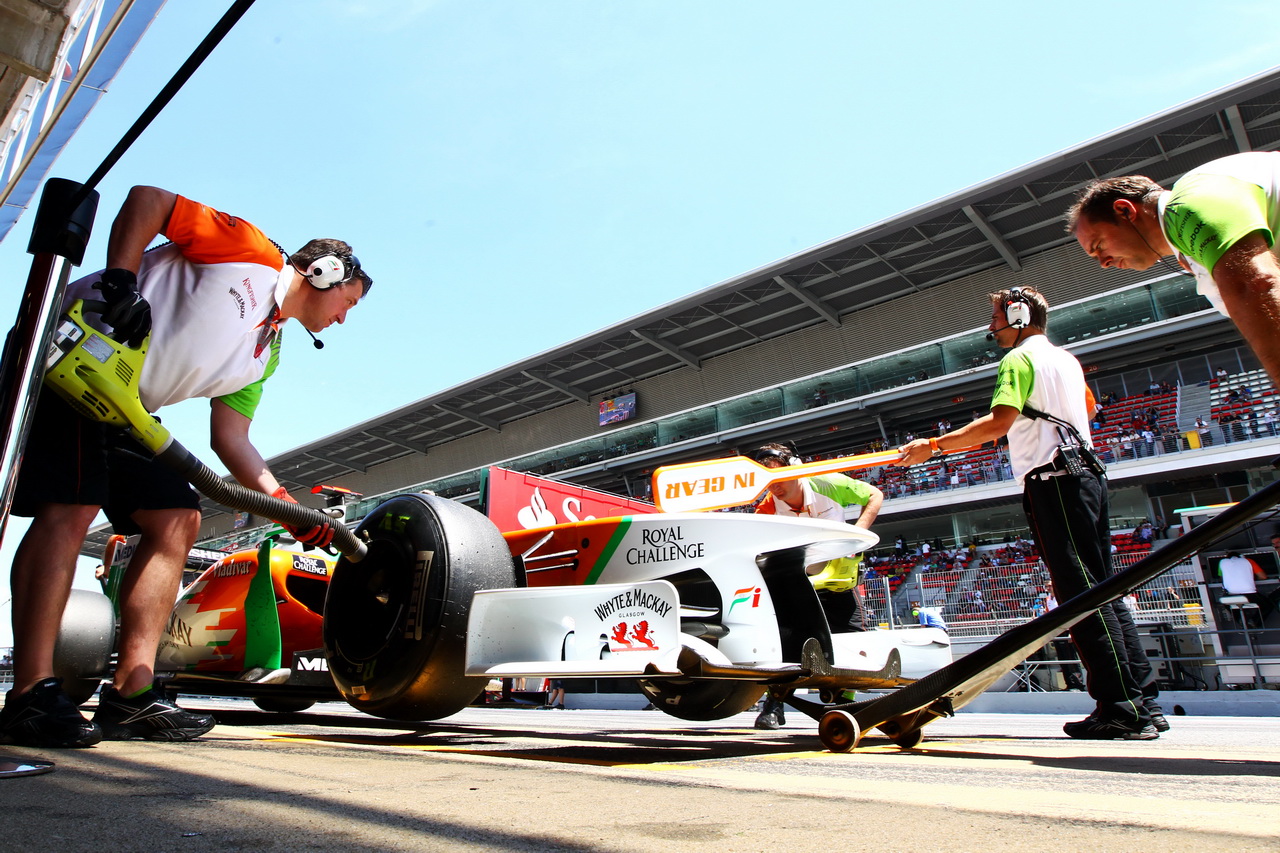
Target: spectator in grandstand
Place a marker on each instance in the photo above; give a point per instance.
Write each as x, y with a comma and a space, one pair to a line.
1040, 404
1219, 220
1202, 428
836, 581
1147, 447
1144, 533
1224, 423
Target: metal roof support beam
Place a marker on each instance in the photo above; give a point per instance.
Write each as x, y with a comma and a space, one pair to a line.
993, 237
1239, 133
892, 268
567, 390
487, 423
819, 307
670, 349
741, 328
416, 447
333, 460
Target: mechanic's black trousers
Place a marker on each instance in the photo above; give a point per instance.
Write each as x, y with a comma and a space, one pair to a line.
1069, 518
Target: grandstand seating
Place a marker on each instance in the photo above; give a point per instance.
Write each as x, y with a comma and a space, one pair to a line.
1241, 403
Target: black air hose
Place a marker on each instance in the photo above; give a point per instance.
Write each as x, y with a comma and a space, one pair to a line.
237, 496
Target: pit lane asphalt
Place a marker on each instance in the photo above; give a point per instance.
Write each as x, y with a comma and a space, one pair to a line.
577, 780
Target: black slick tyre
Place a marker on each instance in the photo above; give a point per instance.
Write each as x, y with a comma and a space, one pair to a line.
395, 623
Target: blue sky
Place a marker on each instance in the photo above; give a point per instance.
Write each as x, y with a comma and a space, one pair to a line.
518, 174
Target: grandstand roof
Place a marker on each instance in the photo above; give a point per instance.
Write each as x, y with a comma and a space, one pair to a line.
1002, 222
57, 59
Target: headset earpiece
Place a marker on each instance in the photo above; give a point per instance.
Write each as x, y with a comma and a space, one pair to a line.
794, 458
1017, 309
326, 271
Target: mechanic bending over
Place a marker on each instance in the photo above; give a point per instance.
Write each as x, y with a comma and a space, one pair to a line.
836, 581
214, 300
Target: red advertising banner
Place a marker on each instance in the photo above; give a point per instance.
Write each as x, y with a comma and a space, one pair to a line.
515, 501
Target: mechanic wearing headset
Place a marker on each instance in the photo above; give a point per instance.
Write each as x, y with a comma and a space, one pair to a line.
836, 581
1042, 403
213, 300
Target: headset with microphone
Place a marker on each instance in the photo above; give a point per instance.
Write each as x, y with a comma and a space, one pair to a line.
1017, 312
327, 270
789, 456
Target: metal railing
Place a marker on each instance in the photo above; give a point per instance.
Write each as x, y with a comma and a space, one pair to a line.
989, 598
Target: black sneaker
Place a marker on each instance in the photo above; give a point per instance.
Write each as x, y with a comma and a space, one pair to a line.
151, 716
1095, 727
1157, 715
767, 720
44, 716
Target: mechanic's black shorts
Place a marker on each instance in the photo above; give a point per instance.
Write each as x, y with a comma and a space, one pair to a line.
71, 460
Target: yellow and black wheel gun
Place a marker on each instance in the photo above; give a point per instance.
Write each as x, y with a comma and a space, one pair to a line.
99, 376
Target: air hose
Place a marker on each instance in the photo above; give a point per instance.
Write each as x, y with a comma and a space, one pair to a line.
236, 496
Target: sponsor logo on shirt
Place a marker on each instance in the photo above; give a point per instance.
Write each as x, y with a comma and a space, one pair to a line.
239, 300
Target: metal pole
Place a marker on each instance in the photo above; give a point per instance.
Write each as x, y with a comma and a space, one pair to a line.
63, 223
58, 241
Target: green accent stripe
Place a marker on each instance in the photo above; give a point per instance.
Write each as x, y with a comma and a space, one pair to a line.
607, 553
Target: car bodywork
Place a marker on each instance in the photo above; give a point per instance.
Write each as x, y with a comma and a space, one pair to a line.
704, 610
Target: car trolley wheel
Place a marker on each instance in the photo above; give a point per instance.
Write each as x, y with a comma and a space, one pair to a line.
839, 731
395, 623
283, 704
701, 701
86, 638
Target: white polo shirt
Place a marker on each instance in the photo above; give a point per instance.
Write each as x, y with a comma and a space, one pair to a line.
213, 291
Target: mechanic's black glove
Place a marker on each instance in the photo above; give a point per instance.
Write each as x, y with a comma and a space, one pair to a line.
128, 314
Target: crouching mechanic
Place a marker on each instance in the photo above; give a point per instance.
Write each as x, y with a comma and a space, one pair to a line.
1041, 403
214, 300
836, 581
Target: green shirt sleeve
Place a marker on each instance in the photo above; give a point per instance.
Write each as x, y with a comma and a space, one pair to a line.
246, 400
842, 489
1208, 214
1014, 381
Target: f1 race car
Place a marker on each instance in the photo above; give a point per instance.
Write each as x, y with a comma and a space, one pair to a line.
704, 610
